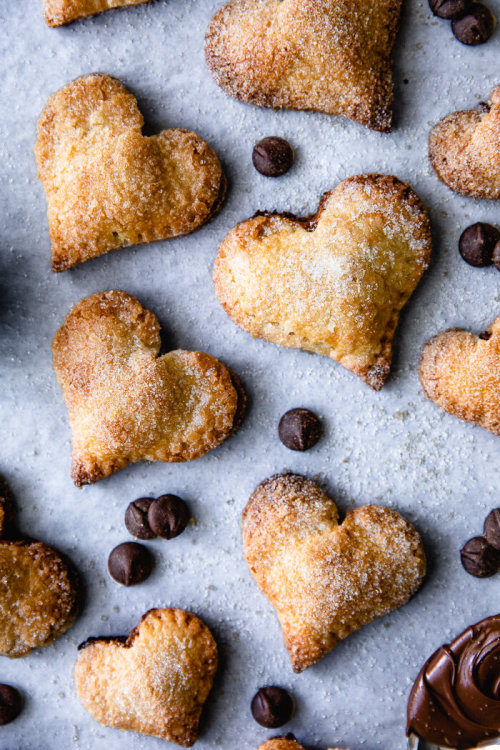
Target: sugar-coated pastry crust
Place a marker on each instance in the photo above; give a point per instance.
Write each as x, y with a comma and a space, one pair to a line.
125, 402
38, 590
464, 149
326, 580
59, 12
331, 56
333, 283
107, 185
154, 682
281, 743
460, 372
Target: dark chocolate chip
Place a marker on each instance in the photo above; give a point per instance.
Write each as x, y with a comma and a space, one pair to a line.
11, 704
272, 156
168, 516
476, 26
299, 429
272, 707
136, 518
485, 335
496, 255
492, 528
130, 563
477, 242
479, 558
450, 8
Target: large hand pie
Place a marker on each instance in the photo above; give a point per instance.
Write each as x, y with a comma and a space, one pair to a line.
155, 681
59, 12
128, 404
107, 185
326, 580
38, 589
333, 283
460, 372
464, 149
325, 55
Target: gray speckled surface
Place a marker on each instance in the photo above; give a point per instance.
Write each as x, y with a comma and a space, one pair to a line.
392, 447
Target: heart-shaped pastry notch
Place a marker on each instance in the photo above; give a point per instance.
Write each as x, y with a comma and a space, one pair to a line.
39, 588
326, 579
464, 149
155, 681
107, 185
460, 372
321, 55
60, 12
333, 283
125, 402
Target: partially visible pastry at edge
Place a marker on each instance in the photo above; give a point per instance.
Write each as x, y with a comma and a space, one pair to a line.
107, 185
333, 283
286, 743
464, 149
324, 55
460, 372
59, 12
125, 402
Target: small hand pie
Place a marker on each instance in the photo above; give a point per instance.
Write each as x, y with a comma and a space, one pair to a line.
125, 402
333, 283
460, 372
38, 589
59, 12
326, 580
322, 55
108, 186
464, 149
155, 681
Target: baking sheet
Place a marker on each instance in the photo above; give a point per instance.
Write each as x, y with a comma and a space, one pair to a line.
392, 447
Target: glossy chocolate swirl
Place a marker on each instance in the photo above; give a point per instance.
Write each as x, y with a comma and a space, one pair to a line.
455, 701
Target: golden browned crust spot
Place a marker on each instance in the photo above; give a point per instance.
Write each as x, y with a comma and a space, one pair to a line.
107, 185
326, 580
333, 283
125, 402
60, 12
460, 372
332, 56
464, 149
155, 682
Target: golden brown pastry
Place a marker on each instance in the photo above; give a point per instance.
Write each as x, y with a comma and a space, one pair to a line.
59, 12
285, 743
326, 580
460, 372
333, 283
38, 589
155, 681
107, 185
125, 402
464, 149
330, 56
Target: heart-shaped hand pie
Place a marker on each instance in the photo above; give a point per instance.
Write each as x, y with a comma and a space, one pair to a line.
38, 589
321, 55
128, 404
107, 185
59, 12
326, 580
464, 149
333, 283
460, 372
155, 681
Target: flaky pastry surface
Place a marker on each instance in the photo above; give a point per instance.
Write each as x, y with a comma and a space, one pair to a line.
156, 681
460, 372
108, 186
38, 590
331, 56
326, 580
59, 12
464, 149
333, 283
125, 402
